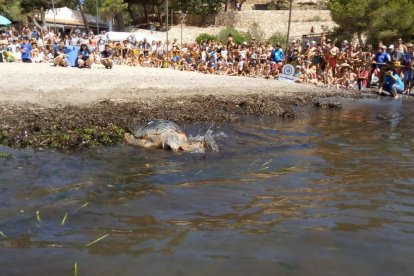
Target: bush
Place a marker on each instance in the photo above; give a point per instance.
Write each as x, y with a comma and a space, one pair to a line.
256, 32
238, 37
205, 37
278, 38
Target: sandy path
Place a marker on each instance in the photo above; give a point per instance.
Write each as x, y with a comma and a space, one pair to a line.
45, 85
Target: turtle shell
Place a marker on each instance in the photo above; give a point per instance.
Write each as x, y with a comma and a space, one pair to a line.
156, 128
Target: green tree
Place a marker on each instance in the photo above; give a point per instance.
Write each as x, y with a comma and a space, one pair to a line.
238, 37
204, 7
383, 20
278, 5
11, 9
352, 16
386, 26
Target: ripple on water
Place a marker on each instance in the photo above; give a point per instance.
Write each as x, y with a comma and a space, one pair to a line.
328, 191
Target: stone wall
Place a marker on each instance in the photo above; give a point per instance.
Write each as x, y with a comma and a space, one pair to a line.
268, 21
277, 21
297, 4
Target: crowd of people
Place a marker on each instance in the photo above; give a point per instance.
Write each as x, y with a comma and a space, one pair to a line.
317, 60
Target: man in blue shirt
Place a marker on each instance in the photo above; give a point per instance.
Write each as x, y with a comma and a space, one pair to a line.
392, 83
381, 60
26, 49
277, 54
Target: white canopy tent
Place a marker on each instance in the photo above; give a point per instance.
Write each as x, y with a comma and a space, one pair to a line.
66, 16
120, 36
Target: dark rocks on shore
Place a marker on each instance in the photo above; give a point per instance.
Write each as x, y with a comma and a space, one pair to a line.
328, 105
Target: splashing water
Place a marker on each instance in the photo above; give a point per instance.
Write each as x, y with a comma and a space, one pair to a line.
208, 139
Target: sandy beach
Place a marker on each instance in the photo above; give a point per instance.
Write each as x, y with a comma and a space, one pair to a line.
42, 106
49, 86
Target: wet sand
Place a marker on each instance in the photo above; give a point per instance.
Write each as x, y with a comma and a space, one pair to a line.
47, 107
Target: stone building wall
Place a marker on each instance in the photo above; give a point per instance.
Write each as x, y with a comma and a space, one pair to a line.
277, 21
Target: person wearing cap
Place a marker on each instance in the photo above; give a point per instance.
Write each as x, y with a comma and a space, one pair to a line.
381, 60
85, 58
84, 39
392, 83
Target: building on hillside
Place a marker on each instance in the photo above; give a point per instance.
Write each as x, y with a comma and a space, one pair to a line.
275, 4
66, 19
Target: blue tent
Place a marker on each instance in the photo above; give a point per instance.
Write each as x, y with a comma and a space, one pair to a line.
4, 21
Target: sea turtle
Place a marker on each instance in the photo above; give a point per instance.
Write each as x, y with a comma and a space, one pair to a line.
163, 134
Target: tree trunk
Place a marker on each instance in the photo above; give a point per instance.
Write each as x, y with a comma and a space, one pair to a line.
145, 13
37, 24
360, 38
85, 22
159, 15
119, 22
134, 20
43, 18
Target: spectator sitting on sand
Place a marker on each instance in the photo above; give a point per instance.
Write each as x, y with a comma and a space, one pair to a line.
85, 58
60, 55
106, 57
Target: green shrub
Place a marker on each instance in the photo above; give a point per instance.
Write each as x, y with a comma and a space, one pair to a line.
256, 32
238, 37
4, 155
205, 37
278, 38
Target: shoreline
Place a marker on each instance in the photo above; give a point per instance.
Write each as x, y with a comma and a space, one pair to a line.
50, 110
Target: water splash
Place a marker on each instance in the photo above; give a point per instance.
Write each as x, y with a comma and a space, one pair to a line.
209, 139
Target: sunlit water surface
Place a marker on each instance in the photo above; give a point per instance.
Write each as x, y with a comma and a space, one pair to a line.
329, 193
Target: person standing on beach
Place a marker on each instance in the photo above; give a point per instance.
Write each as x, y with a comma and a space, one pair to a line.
103, 40
106, 57
407, 62
26, 49
381, 59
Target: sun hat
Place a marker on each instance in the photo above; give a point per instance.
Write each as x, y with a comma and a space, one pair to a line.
391, 47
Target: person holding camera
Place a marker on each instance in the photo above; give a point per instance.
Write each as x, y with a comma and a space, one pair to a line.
392, 83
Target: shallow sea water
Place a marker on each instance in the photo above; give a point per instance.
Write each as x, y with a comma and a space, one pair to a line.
329, 193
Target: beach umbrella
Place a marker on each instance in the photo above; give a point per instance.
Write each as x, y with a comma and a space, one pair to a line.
4, 21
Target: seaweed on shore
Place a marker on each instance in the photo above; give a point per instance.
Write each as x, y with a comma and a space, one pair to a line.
105, 123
